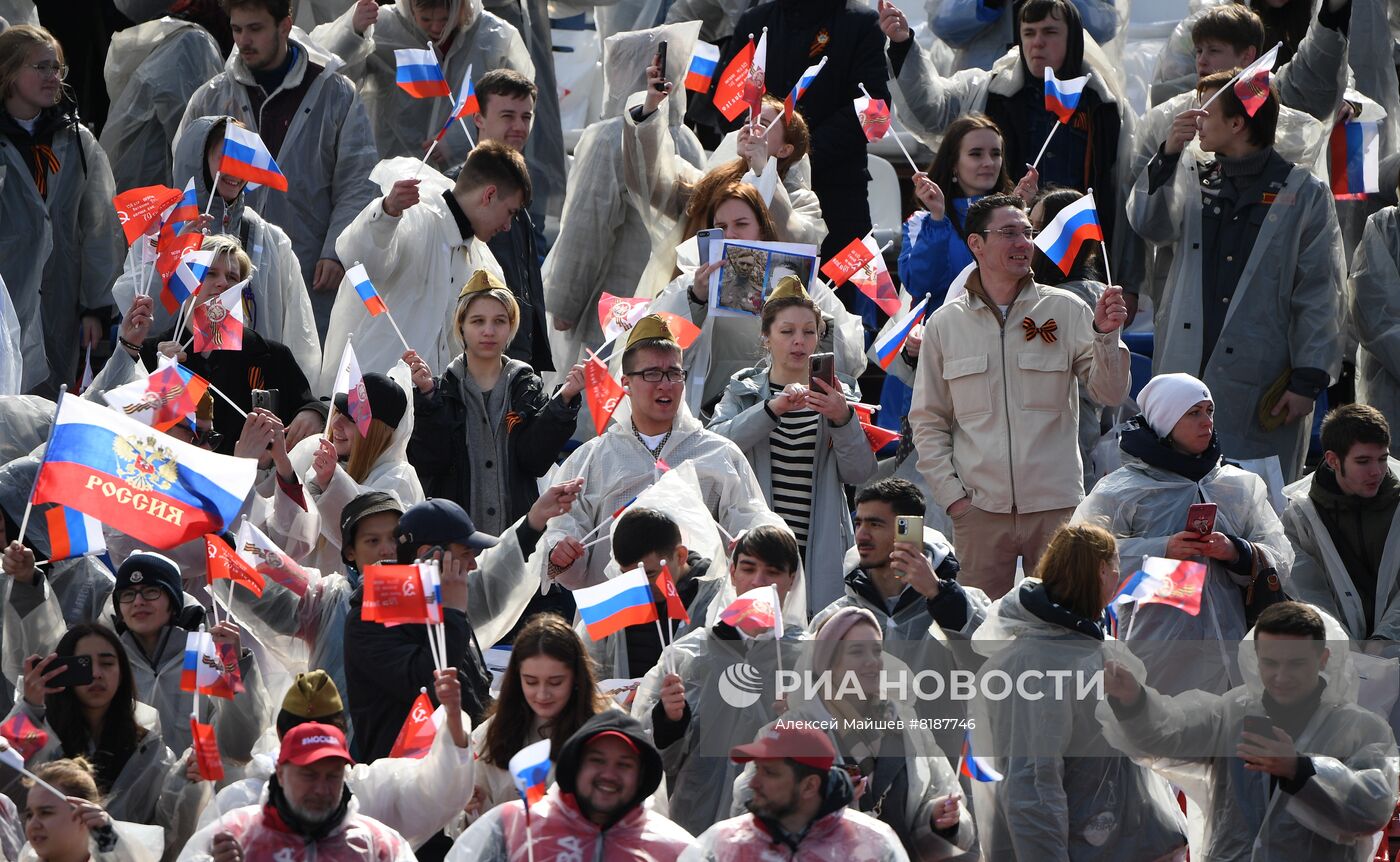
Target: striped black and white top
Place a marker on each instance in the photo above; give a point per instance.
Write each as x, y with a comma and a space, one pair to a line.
792, 447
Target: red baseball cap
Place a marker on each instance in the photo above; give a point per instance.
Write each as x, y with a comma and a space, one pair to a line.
805, 745
614, 733
307, 743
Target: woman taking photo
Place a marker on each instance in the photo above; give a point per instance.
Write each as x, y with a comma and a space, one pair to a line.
74, 827
548, 692
61, 247
1065, 793
967, 167
1172, 460
799, 435
134, 771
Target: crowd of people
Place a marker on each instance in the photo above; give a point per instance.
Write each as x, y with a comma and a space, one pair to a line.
604, 489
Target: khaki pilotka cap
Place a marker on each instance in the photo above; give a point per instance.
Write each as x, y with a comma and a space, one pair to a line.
649, 328
313, 695
482, 280
789, 287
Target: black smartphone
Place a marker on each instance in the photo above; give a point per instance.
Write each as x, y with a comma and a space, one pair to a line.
661, 64
1259, 725
77, 670
824, 368
264, 398
704, 238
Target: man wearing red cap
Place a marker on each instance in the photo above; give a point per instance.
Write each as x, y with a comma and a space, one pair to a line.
309, 812
798, 807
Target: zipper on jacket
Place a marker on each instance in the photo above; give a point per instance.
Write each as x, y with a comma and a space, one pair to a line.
1006, 404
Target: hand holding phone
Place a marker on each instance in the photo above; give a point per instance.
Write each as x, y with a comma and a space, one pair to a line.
660, 85
1259, 725
823, 368
77, 670
1200, 518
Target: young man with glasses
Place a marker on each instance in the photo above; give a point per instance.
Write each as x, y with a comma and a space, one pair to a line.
658, 435
996, 401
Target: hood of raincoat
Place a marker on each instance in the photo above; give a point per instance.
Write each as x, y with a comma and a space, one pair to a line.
626, 57
610, 721
188, 160
1029, 612
1343, 681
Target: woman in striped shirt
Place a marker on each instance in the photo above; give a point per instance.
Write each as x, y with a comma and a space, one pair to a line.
800, 435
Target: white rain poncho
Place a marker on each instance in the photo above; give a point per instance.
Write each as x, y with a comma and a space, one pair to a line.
151, 788
616, 467
717, 17
1191, 739
25, 421
135, 843
402, 124
326, 155
152, 70
1374, 317
603, 242
415, 797
65, 248
280, 309
11, 359
911, 770
390, 472
1320, 577
1143, 506
355, 838
1066, 794
418, 262
1283, 314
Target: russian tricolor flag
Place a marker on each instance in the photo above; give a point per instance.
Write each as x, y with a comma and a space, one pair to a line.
465, 106
204, 671
186, 208
703, 64
800, 88
188, 275
1070, 229
1161, 581
247, 157
887, 346
1062, 97
1354, 162
73, 534
374, 303
419, 74
974, 767
616, 604
154, 488
529, 768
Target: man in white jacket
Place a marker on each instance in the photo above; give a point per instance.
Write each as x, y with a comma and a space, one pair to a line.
420, 242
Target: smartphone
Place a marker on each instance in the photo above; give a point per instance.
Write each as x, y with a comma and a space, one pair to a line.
1259, 725
909, 528
704, 238
824, 368
660, 86
77, 670
265, 399
1200, 518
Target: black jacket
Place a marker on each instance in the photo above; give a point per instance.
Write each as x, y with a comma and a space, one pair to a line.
539, 426
800, 33
386, 666
261, 364
515, 251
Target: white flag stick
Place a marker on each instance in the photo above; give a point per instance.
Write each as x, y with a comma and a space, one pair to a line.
213, 190
1053, 129
894, 133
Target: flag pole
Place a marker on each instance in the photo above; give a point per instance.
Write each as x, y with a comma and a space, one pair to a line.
404, 341
463, 121
330, 413
1053, 129
424, 163
5, 746
29, 505
1108, 276
239, 410
213, 190
894, 133
1231, 82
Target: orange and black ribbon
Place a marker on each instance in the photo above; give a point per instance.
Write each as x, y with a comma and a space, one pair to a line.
1046, 331
45, 163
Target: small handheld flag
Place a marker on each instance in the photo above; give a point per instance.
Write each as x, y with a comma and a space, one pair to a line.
1252, 86
974, 767
350, 381
206, 671
800, 88
602, 391
224, 564
73, 534
248, 158
755, 613
681, 327
464, 107
268, 560
888, 346
877, 437
365, 288
675, 608
756, 84
874, 115
218, 322
729, 93
171, 249
529, 769
616, 604
416, 736
1062, 96
206, 750
419, 74
873, 279
161, 400
24, 735
186, 208
617, 314
1354, 160
847, 262
396, 595
703, 63
140, 209
1068, 231
1175, 583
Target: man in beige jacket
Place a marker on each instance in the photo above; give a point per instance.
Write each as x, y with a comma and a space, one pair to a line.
996, 410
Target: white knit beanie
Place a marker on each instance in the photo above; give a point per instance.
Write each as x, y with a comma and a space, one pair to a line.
1167, 397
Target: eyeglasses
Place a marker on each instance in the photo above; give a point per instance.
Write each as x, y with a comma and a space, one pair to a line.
49, 70
147, 594
656, 375
1013, 233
